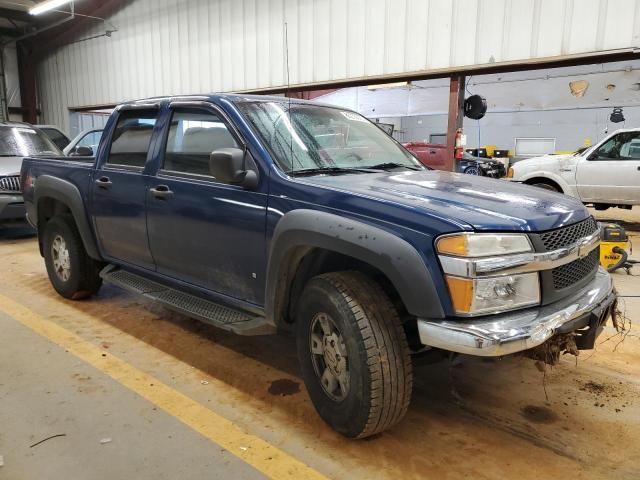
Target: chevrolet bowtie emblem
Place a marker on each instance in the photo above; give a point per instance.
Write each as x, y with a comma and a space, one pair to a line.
583, 249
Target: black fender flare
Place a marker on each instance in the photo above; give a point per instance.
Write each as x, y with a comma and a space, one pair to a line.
390, 254
67, 193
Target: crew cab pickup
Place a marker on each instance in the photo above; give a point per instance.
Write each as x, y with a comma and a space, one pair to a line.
604, 175
259, 214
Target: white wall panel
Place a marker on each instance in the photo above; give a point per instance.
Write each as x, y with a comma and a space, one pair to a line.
165, 47
438, 50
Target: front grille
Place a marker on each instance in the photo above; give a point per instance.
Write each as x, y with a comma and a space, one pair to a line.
573, 272
563, 237
10, 184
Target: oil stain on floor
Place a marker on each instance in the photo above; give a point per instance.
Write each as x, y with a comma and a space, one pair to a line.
284, 387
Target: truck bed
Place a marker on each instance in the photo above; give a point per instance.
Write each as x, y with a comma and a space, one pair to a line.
76, 170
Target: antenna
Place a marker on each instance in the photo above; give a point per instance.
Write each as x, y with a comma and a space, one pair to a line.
288, 91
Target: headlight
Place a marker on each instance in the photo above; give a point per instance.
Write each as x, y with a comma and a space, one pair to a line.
473, 296
483, 244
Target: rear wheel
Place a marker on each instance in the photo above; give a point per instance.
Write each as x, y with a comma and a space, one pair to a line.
71, 271
353, 353
472, 171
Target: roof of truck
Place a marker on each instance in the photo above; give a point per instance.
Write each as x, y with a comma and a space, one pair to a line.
234, 97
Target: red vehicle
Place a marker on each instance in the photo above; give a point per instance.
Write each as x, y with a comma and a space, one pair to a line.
431, 155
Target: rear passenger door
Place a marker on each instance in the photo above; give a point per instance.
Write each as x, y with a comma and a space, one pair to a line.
203, 231
119, 190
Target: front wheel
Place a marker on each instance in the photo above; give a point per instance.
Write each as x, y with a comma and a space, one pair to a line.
472, 171
353, 353
71, 271
545, 186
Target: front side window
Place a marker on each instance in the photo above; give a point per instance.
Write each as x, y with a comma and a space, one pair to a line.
623, 146
193, 135
312, 138
91, 140
131, 138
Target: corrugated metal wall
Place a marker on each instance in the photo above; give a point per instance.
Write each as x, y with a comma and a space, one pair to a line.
194, 46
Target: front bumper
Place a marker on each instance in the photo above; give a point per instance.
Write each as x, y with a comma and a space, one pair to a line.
513, 332
12, 207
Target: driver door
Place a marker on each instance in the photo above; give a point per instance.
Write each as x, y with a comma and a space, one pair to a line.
611, 174
201, 230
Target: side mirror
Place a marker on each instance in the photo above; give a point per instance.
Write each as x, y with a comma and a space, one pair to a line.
235, 166
592, 156
81, 152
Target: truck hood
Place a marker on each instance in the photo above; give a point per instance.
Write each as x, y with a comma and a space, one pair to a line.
10, 166
479, 202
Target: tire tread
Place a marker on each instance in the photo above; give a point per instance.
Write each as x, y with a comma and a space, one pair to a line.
88, 281
385, 345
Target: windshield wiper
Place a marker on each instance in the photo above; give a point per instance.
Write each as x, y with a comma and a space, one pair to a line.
390, 165
326, 170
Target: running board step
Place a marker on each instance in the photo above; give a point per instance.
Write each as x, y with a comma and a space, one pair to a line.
206, 311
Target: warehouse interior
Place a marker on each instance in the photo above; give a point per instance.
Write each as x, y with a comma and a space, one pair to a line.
270, 286
520, 104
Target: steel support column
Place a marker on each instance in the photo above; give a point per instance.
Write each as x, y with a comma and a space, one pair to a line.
27, 76
456, 115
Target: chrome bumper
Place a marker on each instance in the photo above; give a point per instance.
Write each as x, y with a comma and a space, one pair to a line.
513, 332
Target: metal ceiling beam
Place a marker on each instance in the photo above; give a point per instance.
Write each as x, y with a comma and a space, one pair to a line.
10, 32
58, 37
20, 15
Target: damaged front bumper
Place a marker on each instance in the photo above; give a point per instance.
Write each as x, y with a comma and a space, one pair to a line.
585, 313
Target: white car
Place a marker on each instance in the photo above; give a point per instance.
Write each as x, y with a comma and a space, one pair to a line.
605, 175
88, 139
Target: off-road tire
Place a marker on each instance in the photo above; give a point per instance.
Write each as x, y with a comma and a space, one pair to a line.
84, 277
380, 372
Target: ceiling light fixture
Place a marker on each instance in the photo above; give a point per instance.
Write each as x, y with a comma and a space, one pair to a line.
46, 6
389, 85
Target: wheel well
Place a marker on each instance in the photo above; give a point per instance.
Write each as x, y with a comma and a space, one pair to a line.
47, 209
547, 181
304, 263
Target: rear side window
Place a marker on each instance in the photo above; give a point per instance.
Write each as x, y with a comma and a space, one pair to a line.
193, 135
56, 137
131, 138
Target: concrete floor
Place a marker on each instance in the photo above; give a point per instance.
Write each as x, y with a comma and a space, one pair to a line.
475, 419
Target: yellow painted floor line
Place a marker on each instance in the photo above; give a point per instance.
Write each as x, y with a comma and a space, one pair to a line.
256, 452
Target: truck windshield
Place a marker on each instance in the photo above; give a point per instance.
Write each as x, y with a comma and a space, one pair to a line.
309, 139
21, 141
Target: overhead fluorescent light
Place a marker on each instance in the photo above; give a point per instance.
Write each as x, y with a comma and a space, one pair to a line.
389, 85
46, 6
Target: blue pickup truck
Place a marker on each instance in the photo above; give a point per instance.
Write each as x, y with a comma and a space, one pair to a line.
258, 214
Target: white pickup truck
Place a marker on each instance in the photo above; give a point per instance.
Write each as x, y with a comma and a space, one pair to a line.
605, 175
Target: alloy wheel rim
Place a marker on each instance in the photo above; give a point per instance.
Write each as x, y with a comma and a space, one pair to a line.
60, 257
329, 357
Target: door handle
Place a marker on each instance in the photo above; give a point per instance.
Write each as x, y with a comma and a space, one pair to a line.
433, 152
104, 183
161, 192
